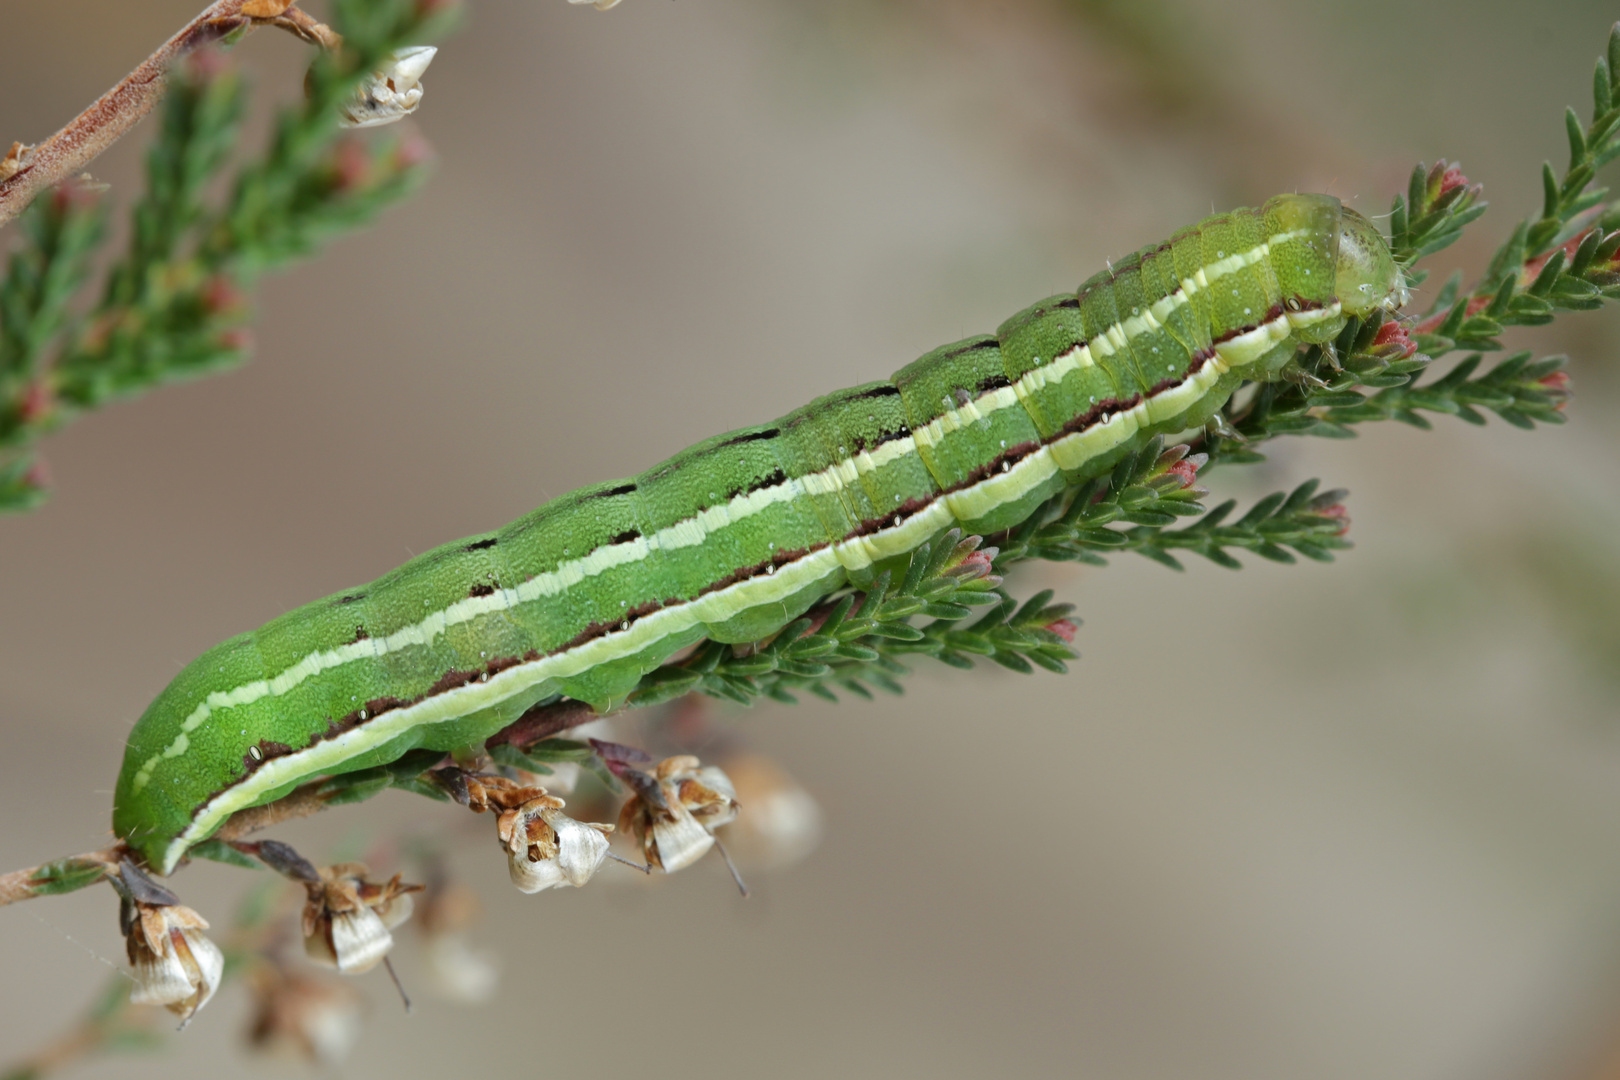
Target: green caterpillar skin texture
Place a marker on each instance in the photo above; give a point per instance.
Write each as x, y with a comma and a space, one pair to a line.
738, 535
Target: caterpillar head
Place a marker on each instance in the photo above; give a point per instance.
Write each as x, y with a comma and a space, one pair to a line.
1367, 277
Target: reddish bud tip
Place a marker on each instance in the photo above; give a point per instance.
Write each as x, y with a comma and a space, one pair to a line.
350, 164
38, 475
1392, 342
238, 339
1185, 470
412, 151
977, 565
1451, 180
1337, 512
1064, 629
36, 403
1556, 384
220, 295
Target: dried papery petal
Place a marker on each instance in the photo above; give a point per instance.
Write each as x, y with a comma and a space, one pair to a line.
581, 848
347, 917
390, 93
677, 840
675, 812
546, 848
176, 966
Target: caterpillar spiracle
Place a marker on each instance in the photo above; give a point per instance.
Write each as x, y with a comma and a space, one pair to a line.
735, 537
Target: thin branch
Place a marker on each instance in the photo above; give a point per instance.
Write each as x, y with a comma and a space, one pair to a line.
26, 171
62, 875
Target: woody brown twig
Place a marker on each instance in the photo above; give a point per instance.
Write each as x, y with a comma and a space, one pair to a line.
25, 171
26, 884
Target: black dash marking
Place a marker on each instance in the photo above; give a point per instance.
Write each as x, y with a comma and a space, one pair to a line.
481, 590
622, 489
993, 382
1068, 302
626, 536
352, 598
881, 391
775, 478
750, 436
481, 545
974, 346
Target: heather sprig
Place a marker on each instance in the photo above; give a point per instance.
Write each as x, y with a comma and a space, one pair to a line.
174, 305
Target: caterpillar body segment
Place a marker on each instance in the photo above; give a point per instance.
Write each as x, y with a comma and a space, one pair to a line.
733, 538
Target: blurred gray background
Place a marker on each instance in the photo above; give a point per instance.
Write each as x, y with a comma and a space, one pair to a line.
1332, 822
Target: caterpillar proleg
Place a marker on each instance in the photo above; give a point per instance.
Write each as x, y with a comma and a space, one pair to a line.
735, 537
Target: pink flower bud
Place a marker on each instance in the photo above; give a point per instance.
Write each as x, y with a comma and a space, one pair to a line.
220, 295
1186, 470
237, 339
1392, 342
1064, 629
350, 164
1556, 384
36, 402
977, 565
413, 150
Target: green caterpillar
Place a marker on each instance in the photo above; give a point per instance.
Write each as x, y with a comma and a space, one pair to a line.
737, 536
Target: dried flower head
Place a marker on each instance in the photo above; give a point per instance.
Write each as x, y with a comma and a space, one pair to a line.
175, 965
675, 811
347, 917
783, 824
392, 92
456, 970
317, 1019
546, 848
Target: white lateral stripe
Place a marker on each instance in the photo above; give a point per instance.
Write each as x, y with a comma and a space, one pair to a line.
695, 530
